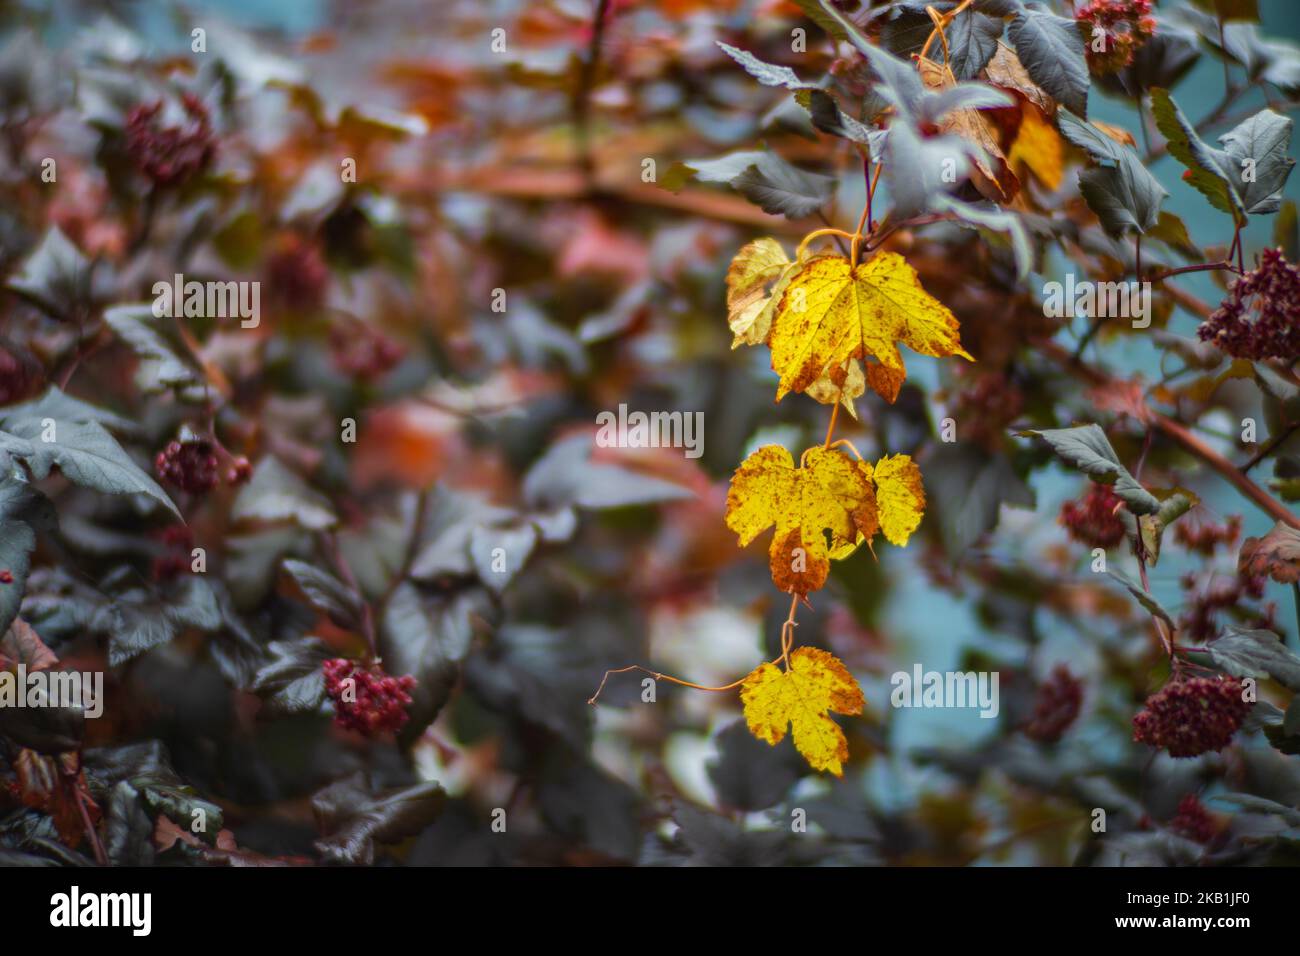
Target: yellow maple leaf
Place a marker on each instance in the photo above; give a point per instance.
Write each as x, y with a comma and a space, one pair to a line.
900, 499
799, 697
886, 382
830, 494
749, 303
821, 511
832, 311
900, 502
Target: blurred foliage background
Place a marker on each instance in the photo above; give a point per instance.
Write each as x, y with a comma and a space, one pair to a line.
521, 173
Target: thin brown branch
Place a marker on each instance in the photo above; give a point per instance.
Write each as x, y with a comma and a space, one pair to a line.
1182, 436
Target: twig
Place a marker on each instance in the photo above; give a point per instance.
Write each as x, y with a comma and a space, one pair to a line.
1199, 267
582, 94
1184, 437
1270, 446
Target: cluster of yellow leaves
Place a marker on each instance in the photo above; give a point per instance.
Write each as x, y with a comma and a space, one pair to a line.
822, 510
799, 697
823, 317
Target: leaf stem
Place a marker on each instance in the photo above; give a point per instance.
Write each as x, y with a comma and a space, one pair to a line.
819, 232
668, 677
941, 22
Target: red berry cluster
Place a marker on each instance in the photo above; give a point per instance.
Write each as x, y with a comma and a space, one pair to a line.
1272, 293
1094, 520
170, 155
1192, 717
373, 703
1193, 821
1205, 537
363, 352
1056, 706
296, 274
1125, 26
194, 465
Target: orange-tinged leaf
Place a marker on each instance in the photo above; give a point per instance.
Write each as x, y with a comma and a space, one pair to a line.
991, 174
1039, 147
1118, 133
831, 311
842, 383
823, 510
799, 698
1006, 71
885, 382
831, 494
1276, 554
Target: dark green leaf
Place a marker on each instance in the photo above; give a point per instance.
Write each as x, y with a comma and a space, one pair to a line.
827, 116
1207, 165
148, 337
1163, 60
86, 454
292, 681
63, 407
1052, 52
750, 775
1088, 137
1257, 148
56, 277
972, 41
140, 620
565, 475
180, 804
779, 188
1124, 197
1254, 804
1256, 653
354, 819
1153, 607
428, 638
1000, 227
23, 511
515, 544
327, 593
765, 73
128, 829
1087, 448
